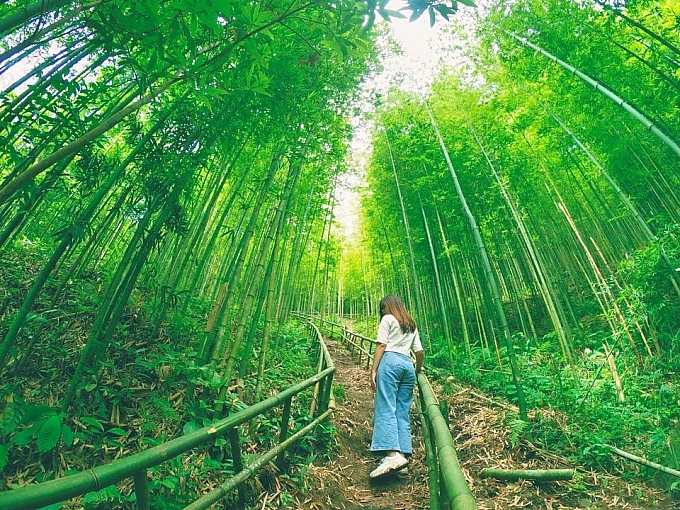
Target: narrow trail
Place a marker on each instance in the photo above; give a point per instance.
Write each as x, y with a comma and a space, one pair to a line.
343, 483
482, 432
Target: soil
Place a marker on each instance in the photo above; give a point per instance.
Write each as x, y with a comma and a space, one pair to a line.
482, 438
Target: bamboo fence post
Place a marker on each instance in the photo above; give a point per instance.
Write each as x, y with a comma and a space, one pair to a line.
238, 461
284, 428
430, 457
142, 489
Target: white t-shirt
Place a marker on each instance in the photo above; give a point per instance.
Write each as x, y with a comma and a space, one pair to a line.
390, 334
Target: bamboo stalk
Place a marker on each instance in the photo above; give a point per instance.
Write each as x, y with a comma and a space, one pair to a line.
538, 475
615, 372
643, 461
141, 481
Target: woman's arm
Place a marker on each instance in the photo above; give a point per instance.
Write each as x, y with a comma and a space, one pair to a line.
377, 355
420, 358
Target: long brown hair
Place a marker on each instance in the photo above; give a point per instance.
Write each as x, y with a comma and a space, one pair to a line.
392, 305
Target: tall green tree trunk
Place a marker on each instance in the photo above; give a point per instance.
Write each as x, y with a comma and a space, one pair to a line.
649, 125
220, 349
674, 275
412, 258
438, 287
488, 273
256, 282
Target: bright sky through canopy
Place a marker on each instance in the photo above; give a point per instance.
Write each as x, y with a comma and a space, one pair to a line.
412, 70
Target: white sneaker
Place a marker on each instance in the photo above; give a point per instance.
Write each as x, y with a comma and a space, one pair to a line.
388, 464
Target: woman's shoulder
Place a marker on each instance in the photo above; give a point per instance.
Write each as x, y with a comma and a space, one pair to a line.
389, 320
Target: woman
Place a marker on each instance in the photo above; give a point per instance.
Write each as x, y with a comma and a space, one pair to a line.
393, 378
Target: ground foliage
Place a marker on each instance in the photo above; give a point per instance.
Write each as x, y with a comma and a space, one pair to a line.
577, 411
135, 399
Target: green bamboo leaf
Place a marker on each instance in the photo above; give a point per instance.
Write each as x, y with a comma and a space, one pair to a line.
110, 493
170, 482
444, 10
386, 14
191, 426
416, 14
49, 433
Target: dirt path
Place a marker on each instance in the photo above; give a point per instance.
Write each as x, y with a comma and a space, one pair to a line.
483, 439
343, 483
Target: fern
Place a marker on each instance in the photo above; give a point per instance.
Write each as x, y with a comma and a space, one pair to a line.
11, 415
517, 429
110, 493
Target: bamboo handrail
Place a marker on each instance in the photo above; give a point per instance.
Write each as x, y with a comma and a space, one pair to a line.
135, 465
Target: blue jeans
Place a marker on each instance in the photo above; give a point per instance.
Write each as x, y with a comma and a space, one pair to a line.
395, 380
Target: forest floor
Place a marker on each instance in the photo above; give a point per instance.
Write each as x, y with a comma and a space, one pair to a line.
482, 438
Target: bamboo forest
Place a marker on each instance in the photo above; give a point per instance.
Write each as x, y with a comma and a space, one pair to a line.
173, 240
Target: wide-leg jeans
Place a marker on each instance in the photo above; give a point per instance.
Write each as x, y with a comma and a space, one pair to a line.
395, 379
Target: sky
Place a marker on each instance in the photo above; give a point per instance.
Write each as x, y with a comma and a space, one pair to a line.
413, 70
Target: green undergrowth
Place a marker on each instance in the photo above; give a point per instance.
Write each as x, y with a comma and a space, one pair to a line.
576, 410
137, 398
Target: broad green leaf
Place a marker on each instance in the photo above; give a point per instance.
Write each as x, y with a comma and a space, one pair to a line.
212, 464
416, 14
24, 437
36, 413
215, 92
170, 482
49, 433
210, 20
190, 427
205, 100
67, 435
444, 10
118, 431
93, 423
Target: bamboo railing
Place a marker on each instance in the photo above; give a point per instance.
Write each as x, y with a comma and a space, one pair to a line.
135, 466
448, 486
